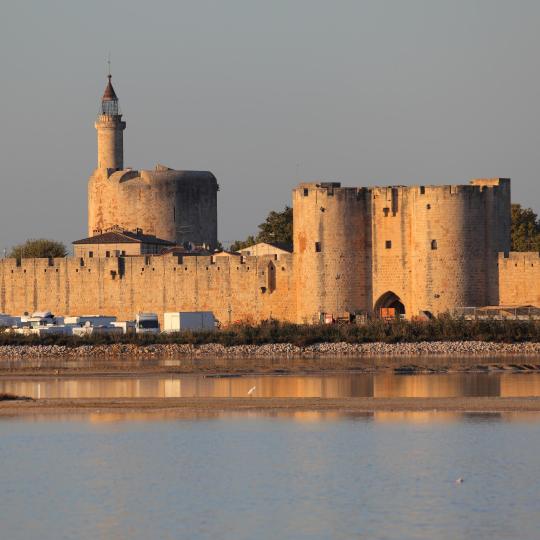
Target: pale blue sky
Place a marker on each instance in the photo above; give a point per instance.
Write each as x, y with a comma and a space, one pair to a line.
264, 94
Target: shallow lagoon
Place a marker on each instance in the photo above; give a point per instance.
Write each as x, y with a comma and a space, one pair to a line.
326, 385
254, 475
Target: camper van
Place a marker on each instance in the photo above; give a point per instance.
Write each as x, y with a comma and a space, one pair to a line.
146, 323
188, 320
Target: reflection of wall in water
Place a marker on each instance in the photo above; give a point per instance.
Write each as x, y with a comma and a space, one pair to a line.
447, 385
326, 386
520, 385
417, 417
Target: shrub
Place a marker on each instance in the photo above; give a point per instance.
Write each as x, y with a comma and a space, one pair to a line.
443, 328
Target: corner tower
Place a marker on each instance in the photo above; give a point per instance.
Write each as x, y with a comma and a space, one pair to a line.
110, 127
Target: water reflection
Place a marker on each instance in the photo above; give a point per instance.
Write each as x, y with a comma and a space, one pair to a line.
303, 417
292, 386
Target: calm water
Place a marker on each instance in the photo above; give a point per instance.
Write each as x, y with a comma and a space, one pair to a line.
377, 476
323, 385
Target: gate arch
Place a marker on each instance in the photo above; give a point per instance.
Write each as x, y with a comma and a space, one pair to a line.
390, 300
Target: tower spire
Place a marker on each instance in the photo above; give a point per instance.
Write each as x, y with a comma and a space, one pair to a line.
109, 101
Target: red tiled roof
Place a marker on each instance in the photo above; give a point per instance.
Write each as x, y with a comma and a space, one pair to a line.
109, 94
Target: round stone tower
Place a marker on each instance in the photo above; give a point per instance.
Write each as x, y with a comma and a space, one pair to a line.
110, 127
332, 250
435, 248
457, 234
179, 206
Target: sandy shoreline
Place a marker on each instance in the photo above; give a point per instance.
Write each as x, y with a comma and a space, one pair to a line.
184, 406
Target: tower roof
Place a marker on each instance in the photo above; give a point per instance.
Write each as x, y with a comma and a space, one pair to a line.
109, 94
109, 101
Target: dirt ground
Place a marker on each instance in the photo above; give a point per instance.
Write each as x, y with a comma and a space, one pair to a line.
265, 365
182, 406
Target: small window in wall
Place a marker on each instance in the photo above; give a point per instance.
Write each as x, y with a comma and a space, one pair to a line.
306, 192
434, 244
107, 254
123, 253
428, 206
422, 190
90, 254
388, 244
386, 211
318, 247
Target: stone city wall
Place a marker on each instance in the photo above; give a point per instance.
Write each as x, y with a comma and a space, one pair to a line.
519, 278
255, 289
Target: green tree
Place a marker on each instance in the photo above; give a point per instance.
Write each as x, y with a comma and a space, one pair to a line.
38, 248
278, 227
241, 244
525, 229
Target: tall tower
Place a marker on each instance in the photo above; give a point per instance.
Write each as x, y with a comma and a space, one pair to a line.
110, 127
176, 205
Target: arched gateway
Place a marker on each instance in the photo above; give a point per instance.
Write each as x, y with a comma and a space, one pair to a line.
389, 301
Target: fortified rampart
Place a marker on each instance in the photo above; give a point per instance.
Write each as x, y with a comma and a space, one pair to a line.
416, 249
254, 289
519, 278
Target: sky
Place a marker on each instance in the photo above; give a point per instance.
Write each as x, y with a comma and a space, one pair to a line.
265, 94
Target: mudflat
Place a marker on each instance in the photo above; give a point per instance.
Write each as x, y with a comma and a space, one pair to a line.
182, 406
246, 365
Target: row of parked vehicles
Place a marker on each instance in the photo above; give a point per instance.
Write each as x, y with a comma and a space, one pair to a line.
44, 322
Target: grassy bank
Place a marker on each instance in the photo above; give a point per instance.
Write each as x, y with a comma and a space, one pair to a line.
439, 329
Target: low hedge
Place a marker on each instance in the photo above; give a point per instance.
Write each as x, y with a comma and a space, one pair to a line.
443, 328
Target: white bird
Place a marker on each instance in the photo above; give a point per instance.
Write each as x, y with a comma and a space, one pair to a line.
251, 390
459, 480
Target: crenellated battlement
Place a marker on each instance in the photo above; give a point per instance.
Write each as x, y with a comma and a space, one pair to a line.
523, 257
478, 185
239, 289
519, 278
